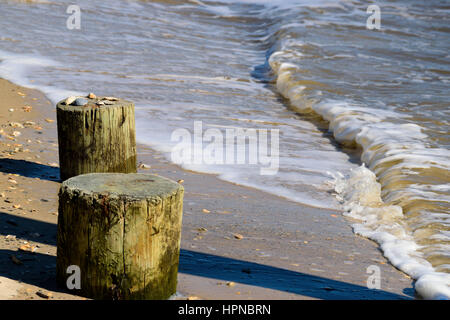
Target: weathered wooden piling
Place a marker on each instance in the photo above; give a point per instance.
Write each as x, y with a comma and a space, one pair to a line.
96, 135
123, 232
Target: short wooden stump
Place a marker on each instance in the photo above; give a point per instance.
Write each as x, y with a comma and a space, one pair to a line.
96, 138
123, 232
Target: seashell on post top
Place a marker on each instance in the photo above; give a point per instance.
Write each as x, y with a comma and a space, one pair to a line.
96, 134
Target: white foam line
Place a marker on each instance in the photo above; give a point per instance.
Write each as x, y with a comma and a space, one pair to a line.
17, 67
360, 193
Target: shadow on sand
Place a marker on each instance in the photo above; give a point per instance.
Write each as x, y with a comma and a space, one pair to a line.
29, 169
255, 274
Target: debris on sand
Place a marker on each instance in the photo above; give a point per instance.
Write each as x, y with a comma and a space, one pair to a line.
43, 294
238, 236
28, 248
15, 125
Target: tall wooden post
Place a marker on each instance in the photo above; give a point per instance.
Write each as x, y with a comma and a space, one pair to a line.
96, 135
123, 233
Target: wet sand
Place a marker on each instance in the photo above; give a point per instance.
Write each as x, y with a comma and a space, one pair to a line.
237, 242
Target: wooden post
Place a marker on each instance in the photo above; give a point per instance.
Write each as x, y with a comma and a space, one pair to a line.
98, 136
123, 232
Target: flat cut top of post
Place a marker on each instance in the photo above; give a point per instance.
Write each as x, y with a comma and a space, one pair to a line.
132, 185
95, 103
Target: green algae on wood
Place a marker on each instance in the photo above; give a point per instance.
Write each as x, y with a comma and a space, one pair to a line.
96, 138
123, 231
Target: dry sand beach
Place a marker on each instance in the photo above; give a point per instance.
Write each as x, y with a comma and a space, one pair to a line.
237, 242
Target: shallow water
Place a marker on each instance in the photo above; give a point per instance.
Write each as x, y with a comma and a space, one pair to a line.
340, 95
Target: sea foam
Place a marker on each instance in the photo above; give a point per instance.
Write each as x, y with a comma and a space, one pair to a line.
393, 153
18, 67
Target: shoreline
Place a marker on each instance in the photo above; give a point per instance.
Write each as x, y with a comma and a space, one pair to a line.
288, 250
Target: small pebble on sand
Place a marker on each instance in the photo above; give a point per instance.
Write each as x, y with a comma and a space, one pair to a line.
238, 236
28, 248
43, 294
15, 125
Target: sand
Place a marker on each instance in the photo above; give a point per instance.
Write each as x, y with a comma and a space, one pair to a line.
237, 242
